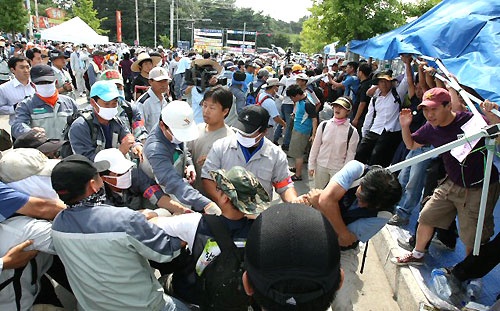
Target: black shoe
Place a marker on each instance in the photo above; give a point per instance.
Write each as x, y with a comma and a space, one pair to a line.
284, 148
292, 169
296, 178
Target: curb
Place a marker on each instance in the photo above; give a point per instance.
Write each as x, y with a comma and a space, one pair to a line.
405, 288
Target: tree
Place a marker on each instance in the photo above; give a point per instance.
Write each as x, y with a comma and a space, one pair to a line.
420, 8
85, 10
13, 16
313, 36
165, 41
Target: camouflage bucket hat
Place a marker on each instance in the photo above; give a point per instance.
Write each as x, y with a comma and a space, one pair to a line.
243, 188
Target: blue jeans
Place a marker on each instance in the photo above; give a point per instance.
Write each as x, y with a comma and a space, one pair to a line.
286, 112
412, 179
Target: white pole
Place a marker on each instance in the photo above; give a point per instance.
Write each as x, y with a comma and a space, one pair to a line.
137, 21
192, 34
172, 6
244, 32
30, 24
155, 21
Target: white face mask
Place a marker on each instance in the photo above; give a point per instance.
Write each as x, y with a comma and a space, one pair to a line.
122, 182
175, 140
46, 90
107, 113
246, 142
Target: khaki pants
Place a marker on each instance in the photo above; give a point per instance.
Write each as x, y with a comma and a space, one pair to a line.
322, 176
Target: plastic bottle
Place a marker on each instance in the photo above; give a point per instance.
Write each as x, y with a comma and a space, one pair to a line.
474, 289
441, 286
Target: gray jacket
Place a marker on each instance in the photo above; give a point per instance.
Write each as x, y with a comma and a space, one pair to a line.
160, 153
81, 141
34, 112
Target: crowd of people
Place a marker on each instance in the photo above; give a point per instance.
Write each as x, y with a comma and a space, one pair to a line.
160, 180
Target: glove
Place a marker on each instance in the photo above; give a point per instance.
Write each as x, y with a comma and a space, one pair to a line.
212, 209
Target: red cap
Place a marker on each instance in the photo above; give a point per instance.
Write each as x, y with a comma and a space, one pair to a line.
435, 97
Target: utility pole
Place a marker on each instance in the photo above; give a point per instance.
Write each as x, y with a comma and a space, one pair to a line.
37, 18
137, 21
30, 25
192, 34
155, 22
244, 33
172, 6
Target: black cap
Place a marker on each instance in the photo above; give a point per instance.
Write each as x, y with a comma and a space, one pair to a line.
74, 172
290, 242
252, 118
56, 54
239, 76
42, 72
36, 140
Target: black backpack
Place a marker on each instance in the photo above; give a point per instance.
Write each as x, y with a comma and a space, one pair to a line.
66, 149
220, 284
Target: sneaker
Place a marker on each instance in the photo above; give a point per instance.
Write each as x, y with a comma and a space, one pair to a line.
408, 245
399, 221
437, 242
284, 148
296, 178
292, 169
408, 260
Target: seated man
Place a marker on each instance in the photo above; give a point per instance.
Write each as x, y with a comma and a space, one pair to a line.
105, 249
127, 185
299, 275
377, 194
102, 129
239, 193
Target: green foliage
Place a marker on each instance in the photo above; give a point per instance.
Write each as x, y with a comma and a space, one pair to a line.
313, 36
164, 41
85, 10
13, 16
420, 8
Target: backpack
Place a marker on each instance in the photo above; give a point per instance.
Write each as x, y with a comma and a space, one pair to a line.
128, 111
252, 94
220, 284
259, 103
66, 149
397, 100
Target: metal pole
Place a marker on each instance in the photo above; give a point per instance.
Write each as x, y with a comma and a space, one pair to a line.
177, 25
244, 32
155, 22
490, 144
192, 35
37, 18
172, 6
256, 35
137, 21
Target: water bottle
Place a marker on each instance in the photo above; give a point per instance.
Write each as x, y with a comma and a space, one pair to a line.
441, 287
474, 289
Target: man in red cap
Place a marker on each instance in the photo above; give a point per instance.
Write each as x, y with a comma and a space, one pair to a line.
460, 193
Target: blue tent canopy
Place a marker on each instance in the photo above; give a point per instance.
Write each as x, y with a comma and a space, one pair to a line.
464, 34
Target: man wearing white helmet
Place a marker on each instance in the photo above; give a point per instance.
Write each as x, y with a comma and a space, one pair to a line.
171, 162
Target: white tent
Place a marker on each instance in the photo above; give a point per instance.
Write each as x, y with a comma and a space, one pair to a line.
75, 31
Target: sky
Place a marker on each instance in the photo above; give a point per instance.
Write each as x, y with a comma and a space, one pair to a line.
286, 10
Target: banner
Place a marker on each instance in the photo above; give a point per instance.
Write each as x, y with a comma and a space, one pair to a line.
208, 32
237, 42
240, 32
55, 13
119, 26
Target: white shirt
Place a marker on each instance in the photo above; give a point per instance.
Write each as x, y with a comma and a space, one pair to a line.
11, 93
14, 231
150, 108
387, 111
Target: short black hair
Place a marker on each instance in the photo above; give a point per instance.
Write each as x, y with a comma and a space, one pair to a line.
221, 95
206, 55
335, 64
30, 54
365, 69
353, 65
321, 303
77, 193
380, 189
294, 90
145, 61
287, 70
16, 59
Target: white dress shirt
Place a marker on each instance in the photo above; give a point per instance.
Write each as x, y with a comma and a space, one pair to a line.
387, 111
11, 93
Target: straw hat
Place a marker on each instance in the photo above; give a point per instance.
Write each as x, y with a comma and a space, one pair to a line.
142, 57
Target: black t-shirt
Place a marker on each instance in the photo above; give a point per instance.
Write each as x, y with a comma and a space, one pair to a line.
361, 96
418, 118
139, 81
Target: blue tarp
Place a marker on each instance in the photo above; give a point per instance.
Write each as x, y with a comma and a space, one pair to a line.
464, 34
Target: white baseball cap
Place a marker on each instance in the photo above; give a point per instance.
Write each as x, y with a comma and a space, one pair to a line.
117, 161
178, 116
158, 74
18, 164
